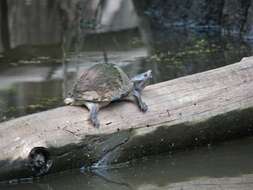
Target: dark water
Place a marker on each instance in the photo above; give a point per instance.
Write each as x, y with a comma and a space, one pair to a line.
230, 160
33, 79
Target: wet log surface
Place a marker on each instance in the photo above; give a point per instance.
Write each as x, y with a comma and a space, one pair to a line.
190, 111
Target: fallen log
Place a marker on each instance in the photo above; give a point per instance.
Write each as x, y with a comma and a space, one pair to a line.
198, 109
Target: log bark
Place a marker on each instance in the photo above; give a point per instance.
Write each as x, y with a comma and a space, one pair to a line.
190, 111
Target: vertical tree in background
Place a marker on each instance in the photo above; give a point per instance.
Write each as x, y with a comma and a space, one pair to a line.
4, 24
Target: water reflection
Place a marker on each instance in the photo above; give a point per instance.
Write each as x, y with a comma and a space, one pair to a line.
176, 53
230, 160
29, 97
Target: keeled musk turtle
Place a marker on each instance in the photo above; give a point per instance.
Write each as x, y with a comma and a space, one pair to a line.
105, 83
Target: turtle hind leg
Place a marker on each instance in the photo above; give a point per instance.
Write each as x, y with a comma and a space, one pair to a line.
142, 105
93, 108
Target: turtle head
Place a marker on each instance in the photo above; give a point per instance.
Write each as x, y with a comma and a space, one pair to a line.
147, 75
141, 80
69, 101
143, 76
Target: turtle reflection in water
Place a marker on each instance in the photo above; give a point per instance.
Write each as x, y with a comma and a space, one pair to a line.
105, 83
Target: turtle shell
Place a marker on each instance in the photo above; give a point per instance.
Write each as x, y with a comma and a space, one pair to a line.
102, 83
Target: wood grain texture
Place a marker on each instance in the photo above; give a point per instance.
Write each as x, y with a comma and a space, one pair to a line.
188, 111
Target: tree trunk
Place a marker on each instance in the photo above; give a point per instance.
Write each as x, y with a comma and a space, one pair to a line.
4, 24
190, 111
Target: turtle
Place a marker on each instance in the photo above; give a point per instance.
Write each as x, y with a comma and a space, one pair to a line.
104, 83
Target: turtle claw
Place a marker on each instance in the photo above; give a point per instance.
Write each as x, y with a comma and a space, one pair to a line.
94, 119
143, 107
95, 122
93, 114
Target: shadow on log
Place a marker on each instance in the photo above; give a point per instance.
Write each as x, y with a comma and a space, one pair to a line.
190, 111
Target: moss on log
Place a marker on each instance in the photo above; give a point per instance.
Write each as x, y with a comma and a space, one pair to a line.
190, 111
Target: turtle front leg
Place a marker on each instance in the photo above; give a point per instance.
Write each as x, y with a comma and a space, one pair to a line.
93, 108
143, 107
